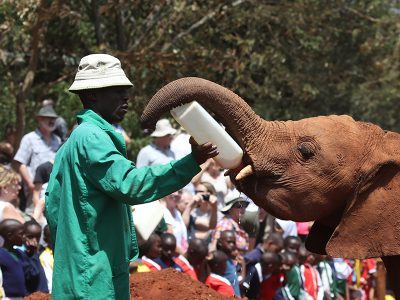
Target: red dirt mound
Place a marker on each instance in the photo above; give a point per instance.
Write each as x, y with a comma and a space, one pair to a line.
169, 284
38, 296
166, 284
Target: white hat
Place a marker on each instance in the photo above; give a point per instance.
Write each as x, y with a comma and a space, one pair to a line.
98, 71
163, 128
233, 197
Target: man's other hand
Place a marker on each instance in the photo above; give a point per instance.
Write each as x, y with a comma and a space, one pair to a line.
203, 152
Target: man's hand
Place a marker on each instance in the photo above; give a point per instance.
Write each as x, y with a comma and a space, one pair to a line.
203, 152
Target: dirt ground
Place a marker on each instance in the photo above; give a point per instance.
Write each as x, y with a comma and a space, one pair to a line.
163, 285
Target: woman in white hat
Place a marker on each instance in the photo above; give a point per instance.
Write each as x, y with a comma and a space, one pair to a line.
234, 209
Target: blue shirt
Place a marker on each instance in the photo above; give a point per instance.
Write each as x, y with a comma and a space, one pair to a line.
231, 275
254, 256
13, 274
151, 155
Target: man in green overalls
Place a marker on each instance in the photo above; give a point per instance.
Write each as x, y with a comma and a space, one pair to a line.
93, 184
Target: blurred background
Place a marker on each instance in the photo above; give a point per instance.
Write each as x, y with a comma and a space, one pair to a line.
287, 59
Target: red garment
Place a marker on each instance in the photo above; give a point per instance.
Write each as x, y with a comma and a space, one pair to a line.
269, 286
220, 284
310, 278
186, 266
151, 264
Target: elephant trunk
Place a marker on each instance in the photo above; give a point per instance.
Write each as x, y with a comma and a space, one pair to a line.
238, 118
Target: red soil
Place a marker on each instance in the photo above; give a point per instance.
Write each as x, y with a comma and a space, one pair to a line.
162, 285
170, 284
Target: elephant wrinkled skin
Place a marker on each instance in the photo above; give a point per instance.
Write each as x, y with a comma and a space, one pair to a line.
339, 172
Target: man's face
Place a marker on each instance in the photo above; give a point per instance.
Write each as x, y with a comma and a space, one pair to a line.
111, 103
46, 123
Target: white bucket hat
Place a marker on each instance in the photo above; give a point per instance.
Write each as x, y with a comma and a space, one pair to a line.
98, 71
163, 128
232, 198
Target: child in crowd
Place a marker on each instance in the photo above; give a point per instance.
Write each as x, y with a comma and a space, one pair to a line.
291, 278
327, 274
272, 243
47, 258
311, 279
193, 260
168, 246
227, 243
11, 266
292, 244
215, 280
34, 273
150, 250
271, 271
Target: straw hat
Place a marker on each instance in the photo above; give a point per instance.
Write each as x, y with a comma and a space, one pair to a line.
98, 71
163, 128
233, 197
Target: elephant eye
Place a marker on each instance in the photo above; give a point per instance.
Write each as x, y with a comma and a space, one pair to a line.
306, 150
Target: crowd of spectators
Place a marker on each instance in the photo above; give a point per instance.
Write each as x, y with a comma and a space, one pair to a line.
209, 231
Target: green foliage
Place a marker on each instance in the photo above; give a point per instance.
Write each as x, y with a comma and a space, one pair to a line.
287, 59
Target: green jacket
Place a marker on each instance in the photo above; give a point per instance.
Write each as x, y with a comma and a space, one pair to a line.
88, 200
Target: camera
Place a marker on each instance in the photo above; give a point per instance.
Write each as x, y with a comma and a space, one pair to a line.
206, 197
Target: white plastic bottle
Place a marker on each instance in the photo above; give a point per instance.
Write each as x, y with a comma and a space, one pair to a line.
204, 128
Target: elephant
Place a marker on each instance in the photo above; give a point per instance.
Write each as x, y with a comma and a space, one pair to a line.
341, 173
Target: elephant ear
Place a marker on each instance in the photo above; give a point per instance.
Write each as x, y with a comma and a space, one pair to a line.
370, 224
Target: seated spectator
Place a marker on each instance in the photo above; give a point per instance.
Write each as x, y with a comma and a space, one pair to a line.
174, 221
12, 268
205, 215
168, 246
215, 280
234, 208
227, 243
271, 270
9, 189
47, 257
150, 250
273, 243
292, 244
34, 274
193, 260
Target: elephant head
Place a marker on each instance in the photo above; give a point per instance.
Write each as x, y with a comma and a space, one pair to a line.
341, 173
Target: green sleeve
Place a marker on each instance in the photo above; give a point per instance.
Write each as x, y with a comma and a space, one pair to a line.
109, 171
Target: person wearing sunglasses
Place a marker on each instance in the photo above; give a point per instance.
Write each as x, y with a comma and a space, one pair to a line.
233, 210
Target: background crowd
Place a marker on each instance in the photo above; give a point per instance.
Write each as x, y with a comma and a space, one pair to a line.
209, 230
